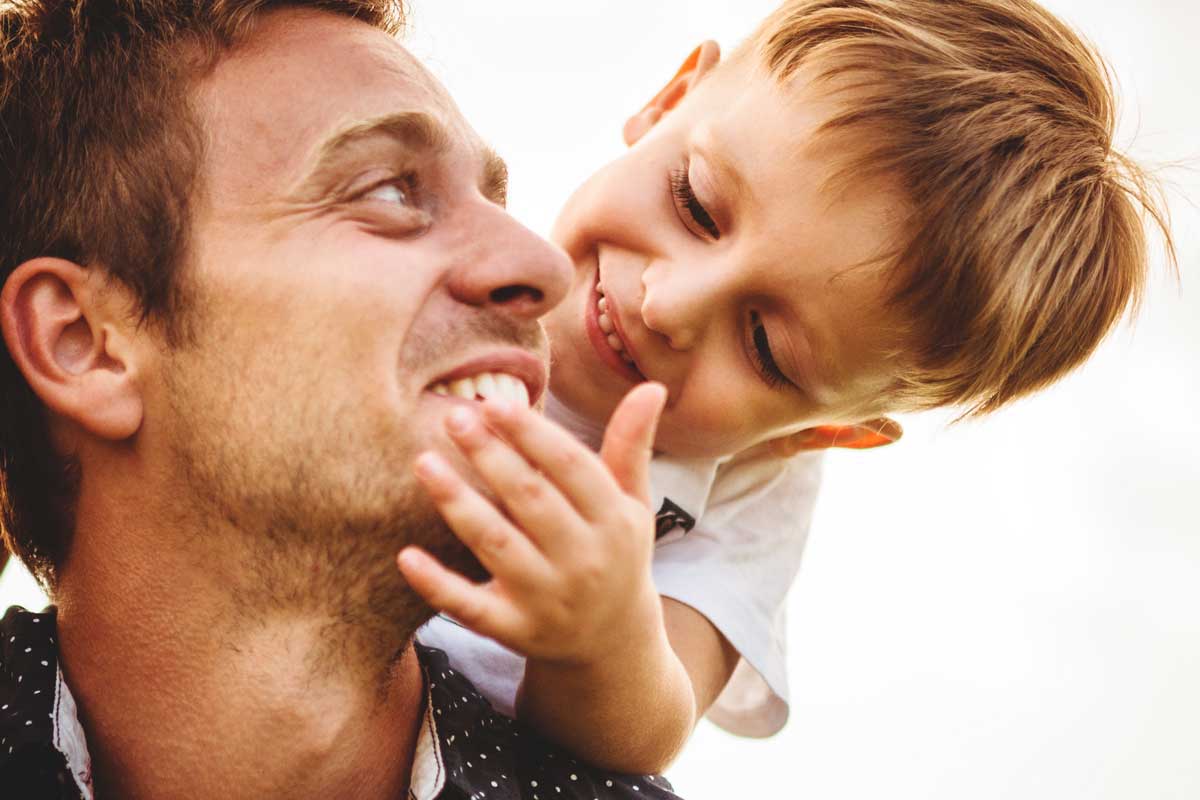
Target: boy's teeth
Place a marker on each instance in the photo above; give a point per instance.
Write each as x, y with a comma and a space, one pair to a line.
488, 385
606, 325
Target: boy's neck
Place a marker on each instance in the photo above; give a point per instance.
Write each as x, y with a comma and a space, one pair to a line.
588, 431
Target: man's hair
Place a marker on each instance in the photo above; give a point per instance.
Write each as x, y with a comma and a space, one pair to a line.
100, 157
1026, 241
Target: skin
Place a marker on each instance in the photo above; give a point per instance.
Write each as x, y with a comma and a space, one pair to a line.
231, 588
788, 251
686, 303
567, 536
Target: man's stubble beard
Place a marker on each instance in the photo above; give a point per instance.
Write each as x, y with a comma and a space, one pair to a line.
309, 500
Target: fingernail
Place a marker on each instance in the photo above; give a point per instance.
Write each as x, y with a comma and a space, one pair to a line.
499, 407
460, 420
429, 466
413, 559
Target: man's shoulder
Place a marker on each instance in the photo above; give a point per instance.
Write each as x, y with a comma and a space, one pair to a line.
482, 753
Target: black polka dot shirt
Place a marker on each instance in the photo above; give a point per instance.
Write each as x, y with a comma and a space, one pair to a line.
466, 751
40, 741
484, 755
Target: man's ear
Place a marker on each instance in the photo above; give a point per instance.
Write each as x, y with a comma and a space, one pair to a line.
863, 436
698, 64
60, 326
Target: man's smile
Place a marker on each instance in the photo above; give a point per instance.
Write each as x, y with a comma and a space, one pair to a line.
513, 375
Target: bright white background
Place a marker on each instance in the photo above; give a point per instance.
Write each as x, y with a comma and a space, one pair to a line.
1009, 608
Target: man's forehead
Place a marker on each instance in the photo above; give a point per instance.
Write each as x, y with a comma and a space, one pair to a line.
303, 77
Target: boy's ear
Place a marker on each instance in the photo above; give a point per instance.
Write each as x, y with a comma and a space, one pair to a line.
863, 436
698, 64
60, 327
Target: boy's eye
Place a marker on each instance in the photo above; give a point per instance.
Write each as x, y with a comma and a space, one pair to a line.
691, 211
767, 367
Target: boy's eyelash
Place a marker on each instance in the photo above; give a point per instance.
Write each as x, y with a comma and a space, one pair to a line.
681, 188
771, 372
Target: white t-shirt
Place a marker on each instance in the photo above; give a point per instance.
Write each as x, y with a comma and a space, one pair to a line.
749, 517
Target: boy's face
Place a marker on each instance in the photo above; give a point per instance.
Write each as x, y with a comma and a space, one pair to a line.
729, 271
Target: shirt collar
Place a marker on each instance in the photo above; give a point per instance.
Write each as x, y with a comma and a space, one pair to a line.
42, 744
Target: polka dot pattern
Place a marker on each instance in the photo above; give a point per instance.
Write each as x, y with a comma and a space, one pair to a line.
488, 756
30, 766
484, 755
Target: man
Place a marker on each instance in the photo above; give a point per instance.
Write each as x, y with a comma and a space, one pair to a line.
242, 241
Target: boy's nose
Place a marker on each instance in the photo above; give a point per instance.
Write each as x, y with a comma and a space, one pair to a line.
676, 305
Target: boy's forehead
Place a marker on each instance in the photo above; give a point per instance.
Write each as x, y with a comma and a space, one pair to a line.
790, 115
823, 239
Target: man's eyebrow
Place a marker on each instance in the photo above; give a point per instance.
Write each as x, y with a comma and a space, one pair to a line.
413, 130
495, 177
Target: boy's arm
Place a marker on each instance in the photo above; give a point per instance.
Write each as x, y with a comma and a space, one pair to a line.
631, 711
571, 589
635, 710
706, 654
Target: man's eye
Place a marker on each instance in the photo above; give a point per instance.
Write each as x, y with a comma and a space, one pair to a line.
689, 207
388, 193
767, 367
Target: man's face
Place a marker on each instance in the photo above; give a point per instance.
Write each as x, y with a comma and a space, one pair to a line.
350, 254
729, 272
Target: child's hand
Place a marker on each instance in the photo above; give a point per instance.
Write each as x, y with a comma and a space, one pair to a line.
568, 538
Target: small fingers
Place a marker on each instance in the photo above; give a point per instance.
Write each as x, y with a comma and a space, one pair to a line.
477, 606
574, 469
503, 550
529, 496
629, 438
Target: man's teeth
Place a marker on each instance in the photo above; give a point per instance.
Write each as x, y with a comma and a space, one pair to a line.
606, 325
486, 386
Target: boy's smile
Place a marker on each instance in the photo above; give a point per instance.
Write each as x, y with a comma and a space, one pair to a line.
604, 330
728, 269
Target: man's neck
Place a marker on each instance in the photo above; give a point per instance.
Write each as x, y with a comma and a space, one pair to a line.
184, 695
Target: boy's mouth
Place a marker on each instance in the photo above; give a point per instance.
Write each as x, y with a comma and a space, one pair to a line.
605, 336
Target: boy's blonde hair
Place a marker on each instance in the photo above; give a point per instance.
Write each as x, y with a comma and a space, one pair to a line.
1026, 242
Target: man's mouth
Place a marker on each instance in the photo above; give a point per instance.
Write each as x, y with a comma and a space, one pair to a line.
485, 386
513, 375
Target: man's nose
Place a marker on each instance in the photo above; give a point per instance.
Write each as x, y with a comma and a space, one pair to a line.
678, 302
509, 267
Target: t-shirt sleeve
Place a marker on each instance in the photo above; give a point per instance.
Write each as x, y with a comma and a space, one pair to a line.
735, 567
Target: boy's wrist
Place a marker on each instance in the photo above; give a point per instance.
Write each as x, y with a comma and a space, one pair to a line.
640, 637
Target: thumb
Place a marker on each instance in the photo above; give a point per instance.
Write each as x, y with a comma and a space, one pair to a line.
629, 438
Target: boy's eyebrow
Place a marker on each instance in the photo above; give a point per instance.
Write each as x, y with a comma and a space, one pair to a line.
807, 371
725, 169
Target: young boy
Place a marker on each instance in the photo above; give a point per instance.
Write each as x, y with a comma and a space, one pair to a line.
873, 207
